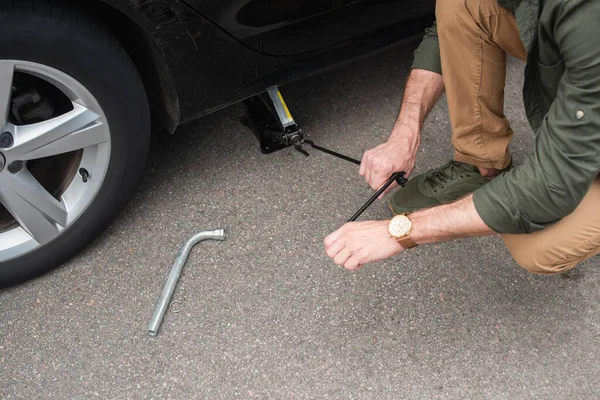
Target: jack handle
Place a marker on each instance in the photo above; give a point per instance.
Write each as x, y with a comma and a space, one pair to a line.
398, 176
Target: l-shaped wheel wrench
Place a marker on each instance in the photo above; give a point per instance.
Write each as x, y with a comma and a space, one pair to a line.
173, 278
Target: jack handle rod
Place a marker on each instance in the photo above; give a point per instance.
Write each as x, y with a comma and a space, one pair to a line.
396, 176
400, 179
333, 153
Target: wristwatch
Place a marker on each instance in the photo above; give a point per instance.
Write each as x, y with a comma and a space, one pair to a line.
399, 228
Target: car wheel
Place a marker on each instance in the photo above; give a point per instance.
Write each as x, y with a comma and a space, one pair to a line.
74, 138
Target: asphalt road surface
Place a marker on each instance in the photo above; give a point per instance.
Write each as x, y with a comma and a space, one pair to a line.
265, 313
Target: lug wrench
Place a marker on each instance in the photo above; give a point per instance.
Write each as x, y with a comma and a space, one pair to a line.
398, 177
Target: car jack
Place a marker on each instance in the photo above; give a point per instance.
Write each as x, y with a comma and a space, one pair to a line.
271, 121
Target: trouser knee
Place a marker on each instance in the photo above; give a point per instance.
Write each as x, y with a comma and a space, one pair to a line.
540, 257
541, 265
449, 14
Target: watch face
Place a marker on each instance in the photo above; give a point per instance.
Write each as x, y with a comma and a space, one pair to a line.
399, 226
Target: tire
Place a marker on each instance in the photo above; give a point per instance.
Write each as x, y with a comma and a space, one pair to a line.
58, 38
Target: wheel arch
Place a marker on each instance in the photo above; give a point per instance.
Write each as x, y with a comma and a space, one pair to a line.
62, 46
134, 31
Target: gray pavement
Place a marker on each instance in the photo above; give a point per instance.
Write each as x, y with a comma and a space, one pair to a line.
266, 314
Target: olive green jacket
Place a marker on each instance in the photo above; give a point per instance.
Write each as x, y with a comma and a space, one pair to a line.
562, 101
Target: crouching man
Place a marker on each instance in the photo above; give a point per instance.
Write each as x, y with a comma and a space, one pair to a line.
546, 210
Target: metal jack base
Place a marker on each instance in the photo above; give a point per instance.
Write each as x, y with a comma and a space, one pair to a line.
270, 120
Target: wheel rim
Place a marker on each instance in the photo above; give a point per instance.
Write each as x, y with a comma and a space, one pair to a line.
81, 136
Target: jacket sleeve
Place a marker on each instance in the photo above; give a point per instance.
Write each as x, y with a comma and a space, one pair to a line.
566, 157
427, 55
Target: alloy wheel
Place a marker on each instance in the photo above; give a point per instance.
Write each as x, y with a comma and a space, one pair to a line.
54, 154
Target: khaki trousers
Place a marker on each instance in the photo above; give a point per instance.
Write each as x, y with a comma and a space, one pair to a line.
474, 37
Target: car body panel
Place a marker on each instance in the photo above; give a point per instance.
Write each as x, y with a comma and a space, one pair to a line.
296, 27
207, 64
212, 68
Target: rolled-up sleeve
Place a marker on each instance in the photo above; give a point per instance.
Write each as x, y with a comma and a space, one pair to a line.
427, 55
566, 157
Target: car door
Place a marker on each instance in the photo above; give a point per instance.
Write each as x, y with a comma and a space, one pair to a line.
294, 27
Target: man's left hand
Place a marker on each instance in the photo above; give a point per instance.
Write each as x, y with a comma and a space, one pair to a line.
358, 243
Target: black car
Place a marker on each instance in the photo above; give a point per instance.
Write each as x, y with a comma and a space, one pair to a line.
79, 81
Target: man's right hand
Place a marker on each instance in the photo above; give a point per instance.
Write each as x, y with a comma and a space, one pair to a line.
399, 153
379, 163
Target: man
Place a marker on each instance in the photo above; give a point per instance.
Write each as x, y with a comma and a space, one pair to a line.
546, 210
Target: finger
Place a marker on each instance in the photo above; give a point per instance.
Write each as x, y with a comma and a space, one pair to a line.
358, 260
333, 250
369, 170
342, 256
363, 164
337, 235
378, 181
389, 189
333, 237
353, 263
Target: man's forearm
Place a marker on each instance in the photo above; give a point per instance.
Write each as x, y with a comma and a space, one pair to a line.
447, 222
422, 91
358, 243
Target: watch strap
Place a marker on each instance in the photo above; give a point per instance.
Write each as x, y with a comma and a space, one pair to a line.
406, 242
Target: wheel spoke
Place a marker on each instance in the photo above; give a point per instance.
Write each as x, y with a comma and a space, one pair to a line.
74, 130
7, 71
38, 213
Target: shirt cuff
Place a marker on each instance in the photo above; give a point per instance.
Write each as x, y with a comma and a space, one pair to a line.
498, 211
427, 56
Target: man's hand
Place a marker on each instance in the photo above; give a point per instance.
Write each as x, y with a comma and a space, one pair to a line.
358, 243
379, 163
399, 153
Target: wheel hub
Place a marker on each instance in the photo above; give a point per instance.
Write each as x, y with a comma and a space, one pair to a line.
52, 127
